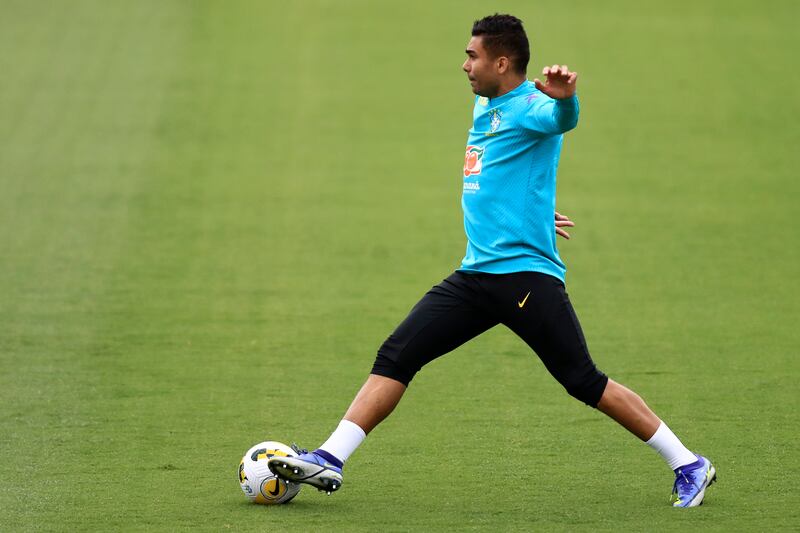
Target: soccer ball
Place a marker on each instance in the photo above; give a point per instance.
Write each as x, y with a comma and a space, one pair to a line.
258, 482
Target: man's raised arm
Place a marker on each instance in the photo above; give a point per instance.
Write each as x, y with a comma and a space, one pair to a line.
560, 114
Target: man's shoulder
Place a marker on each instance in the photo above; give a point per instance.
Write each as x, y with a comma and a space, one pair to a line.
531, 96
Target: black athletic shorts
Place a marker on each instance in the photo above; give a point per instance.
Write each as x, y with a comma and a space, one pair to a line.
533, 305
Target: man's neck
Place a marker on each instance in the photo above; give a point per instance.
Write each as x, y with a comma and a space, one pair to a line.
509, 85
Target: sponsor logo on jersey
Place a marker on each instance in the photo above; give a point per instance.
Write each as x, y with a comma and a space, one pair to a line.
473, 160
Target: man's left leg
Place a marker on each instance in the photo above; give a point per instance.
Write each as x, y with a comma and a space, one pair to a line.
549, 326
629, 410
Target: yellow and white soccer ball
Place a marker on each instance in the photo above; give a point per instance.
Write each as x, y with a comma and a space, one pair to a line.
258, 482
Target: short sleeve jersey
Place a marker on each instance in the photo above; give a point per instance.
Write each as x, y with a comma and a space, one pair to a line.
509, 192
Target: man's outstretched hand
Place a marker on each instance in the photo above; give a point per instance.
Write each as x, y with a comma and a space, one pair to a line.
559, 83
563, 221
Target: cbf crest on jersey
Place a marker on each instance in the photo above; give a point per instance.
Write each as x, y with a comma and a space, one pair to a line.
473, 160
494, 119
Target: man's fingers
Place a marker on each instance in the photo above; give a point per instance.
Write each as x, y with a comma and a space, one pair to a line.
560, 71
558, 74
563, 221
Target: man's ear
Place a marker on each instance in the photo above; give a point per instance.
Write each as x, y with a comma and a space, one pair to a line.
503, 64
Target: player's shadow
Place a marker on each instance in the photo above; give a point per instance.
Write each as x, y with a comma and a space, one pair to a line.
300, 506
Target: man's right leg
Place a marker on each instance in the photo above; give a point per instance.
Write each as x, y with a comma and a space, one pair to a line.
450, 314
374, 402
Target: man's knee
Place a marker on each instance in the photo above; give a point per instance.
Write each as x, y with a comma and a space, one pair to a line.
587, 387
388, 367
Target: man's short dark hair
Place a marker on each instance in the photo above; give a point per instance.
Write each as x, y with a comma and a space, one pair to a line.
503, 35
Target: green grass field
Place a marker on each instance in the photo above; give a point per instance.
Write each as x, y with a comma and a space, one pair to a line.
197, 198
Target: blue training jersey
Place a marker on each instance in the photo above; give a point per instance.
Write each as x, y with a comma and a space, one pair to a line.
509, 194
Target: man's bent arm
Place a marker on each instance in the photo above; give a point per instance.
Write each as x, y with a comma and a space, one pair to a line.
554, 117
559, 114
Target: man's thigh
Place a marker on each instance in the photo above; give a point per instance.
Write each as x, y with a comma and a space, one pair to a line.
449, 314
536, 307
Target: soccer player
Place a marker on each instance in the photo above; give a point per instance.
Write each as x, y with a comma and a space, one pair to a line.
511, 273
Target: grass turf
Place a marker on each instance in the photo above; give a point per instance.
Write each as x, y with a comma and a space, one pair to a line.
213, 213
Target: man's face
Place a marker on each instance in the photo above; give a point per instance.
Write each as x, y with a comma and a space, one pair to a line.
482, 70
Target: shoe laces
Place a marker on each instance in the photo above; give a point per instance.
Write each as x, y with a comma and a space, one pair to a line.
683, 485
298, 450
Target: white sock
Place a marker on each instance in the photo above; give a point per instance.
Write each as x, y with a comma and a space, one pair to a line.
344, 441
670, 447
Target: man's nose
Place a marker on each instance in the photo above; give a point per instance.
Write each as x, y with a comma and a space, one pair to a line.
464, 66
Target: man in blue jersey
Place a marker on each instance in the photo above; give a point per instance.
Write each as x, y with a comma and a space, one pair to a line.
511, 273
